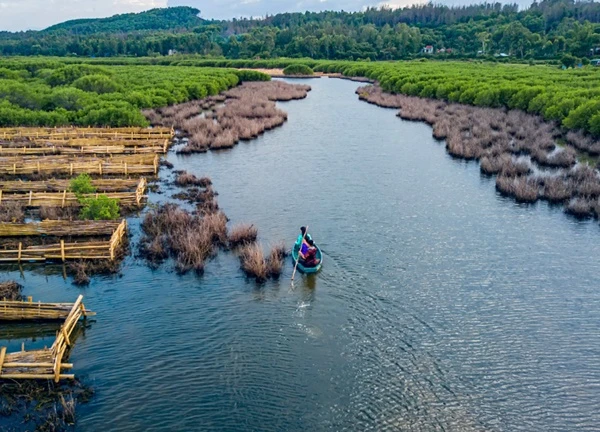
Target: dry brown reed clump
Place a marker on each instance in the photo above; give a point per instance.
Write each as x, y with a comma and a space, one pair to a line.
242, 113
190, 239
10, 290
254, 264
241, 235
275, 259
186, 179
523, 189
556, 189
12, 211
580, 208
513, 144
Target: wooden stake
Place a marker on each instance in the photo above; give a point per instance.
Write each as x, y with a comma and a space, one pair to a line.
2, 355
62, 249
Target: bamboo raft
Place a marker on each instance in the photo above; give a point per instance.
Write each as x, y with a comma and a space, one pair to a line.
68, 251
29, 311
58, 185
55, 159
59, 228
123, 133
45, 363
107, 149
81, 165
69, 199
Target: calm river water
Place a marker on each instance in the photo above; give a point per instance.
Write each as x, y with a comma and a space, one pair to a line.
440, 306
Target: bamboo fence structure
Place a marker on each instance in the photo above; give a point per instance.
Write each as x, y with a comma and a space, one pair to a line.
107, 148
93, 141
59, 228
44, 363
59, 185
68, 251
69, 199
133, 164
11, 310
54, 159
114, 133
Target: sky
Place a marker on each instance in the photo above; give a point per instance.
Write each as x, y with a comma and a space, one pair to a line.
17, 15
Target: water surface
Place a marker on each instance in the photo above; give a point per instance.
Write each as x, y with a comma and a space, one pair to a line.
441, 305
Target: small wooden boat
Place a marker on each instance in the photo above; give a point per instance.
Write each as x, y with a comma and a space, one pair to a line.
303, 269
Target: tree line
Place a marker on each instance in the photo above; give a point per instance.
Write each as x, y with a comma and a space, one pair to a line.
549, 29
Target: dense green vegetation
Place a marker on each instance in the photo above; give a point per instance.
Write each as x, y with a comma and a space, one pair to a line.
547, 30
82, 184
298, 69
51, 92
101, 208
568, 97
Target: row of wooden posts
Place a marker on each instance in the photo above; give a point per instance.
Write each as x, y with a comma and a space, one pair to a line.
46, 363
80, 167
83, 150
123, 133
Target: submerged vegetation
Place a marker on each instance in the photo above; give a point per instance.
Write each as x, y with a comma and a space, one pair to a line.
10, 290
42, 405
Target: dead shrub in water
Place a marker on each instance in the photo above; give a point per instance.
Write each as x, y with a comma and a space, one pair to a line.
510, 167
556, 189
493, 164
242, 234
83, 270
523, 189
11, 290
580, 208
186, 179
196, 195
190, 239
12, 211
249, 110
563, 158
275, 261
253, 262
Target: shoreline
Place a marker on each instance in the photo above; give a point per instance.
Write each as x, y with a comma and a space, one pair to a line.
531, 158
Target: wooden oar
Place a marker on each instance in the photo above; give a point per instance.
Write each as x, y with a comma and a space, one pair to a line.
300, 249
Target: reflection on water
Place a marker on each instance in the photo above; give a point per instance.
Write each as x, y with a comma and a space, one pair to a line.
440, 306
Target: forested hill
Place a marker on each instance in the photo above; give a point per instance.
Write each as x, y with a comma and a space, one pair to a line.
152, 20
547, 30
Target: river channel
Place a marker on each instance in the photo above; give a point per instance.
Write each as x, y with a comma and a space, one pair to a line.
440, 306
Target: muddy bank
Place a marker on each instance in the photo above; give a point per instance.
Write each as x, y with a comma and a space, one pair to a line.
532, 159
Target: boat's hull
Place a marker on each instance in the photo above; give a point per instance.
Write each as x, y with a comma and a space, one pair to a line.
303, 269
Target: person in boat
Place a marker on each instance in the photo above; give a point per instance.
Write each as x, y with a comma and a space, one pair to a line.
310, 257
304, 237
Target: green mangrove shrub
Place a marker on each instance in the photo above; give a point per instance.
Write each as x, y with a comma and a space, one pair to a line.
101, 208
298, 69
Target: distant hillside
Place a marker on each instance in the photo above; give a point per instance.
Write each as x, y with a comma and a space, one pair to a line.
152, 20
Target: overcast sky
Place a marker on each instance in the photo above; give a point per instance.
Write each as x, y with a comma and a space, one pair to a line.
18, 15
